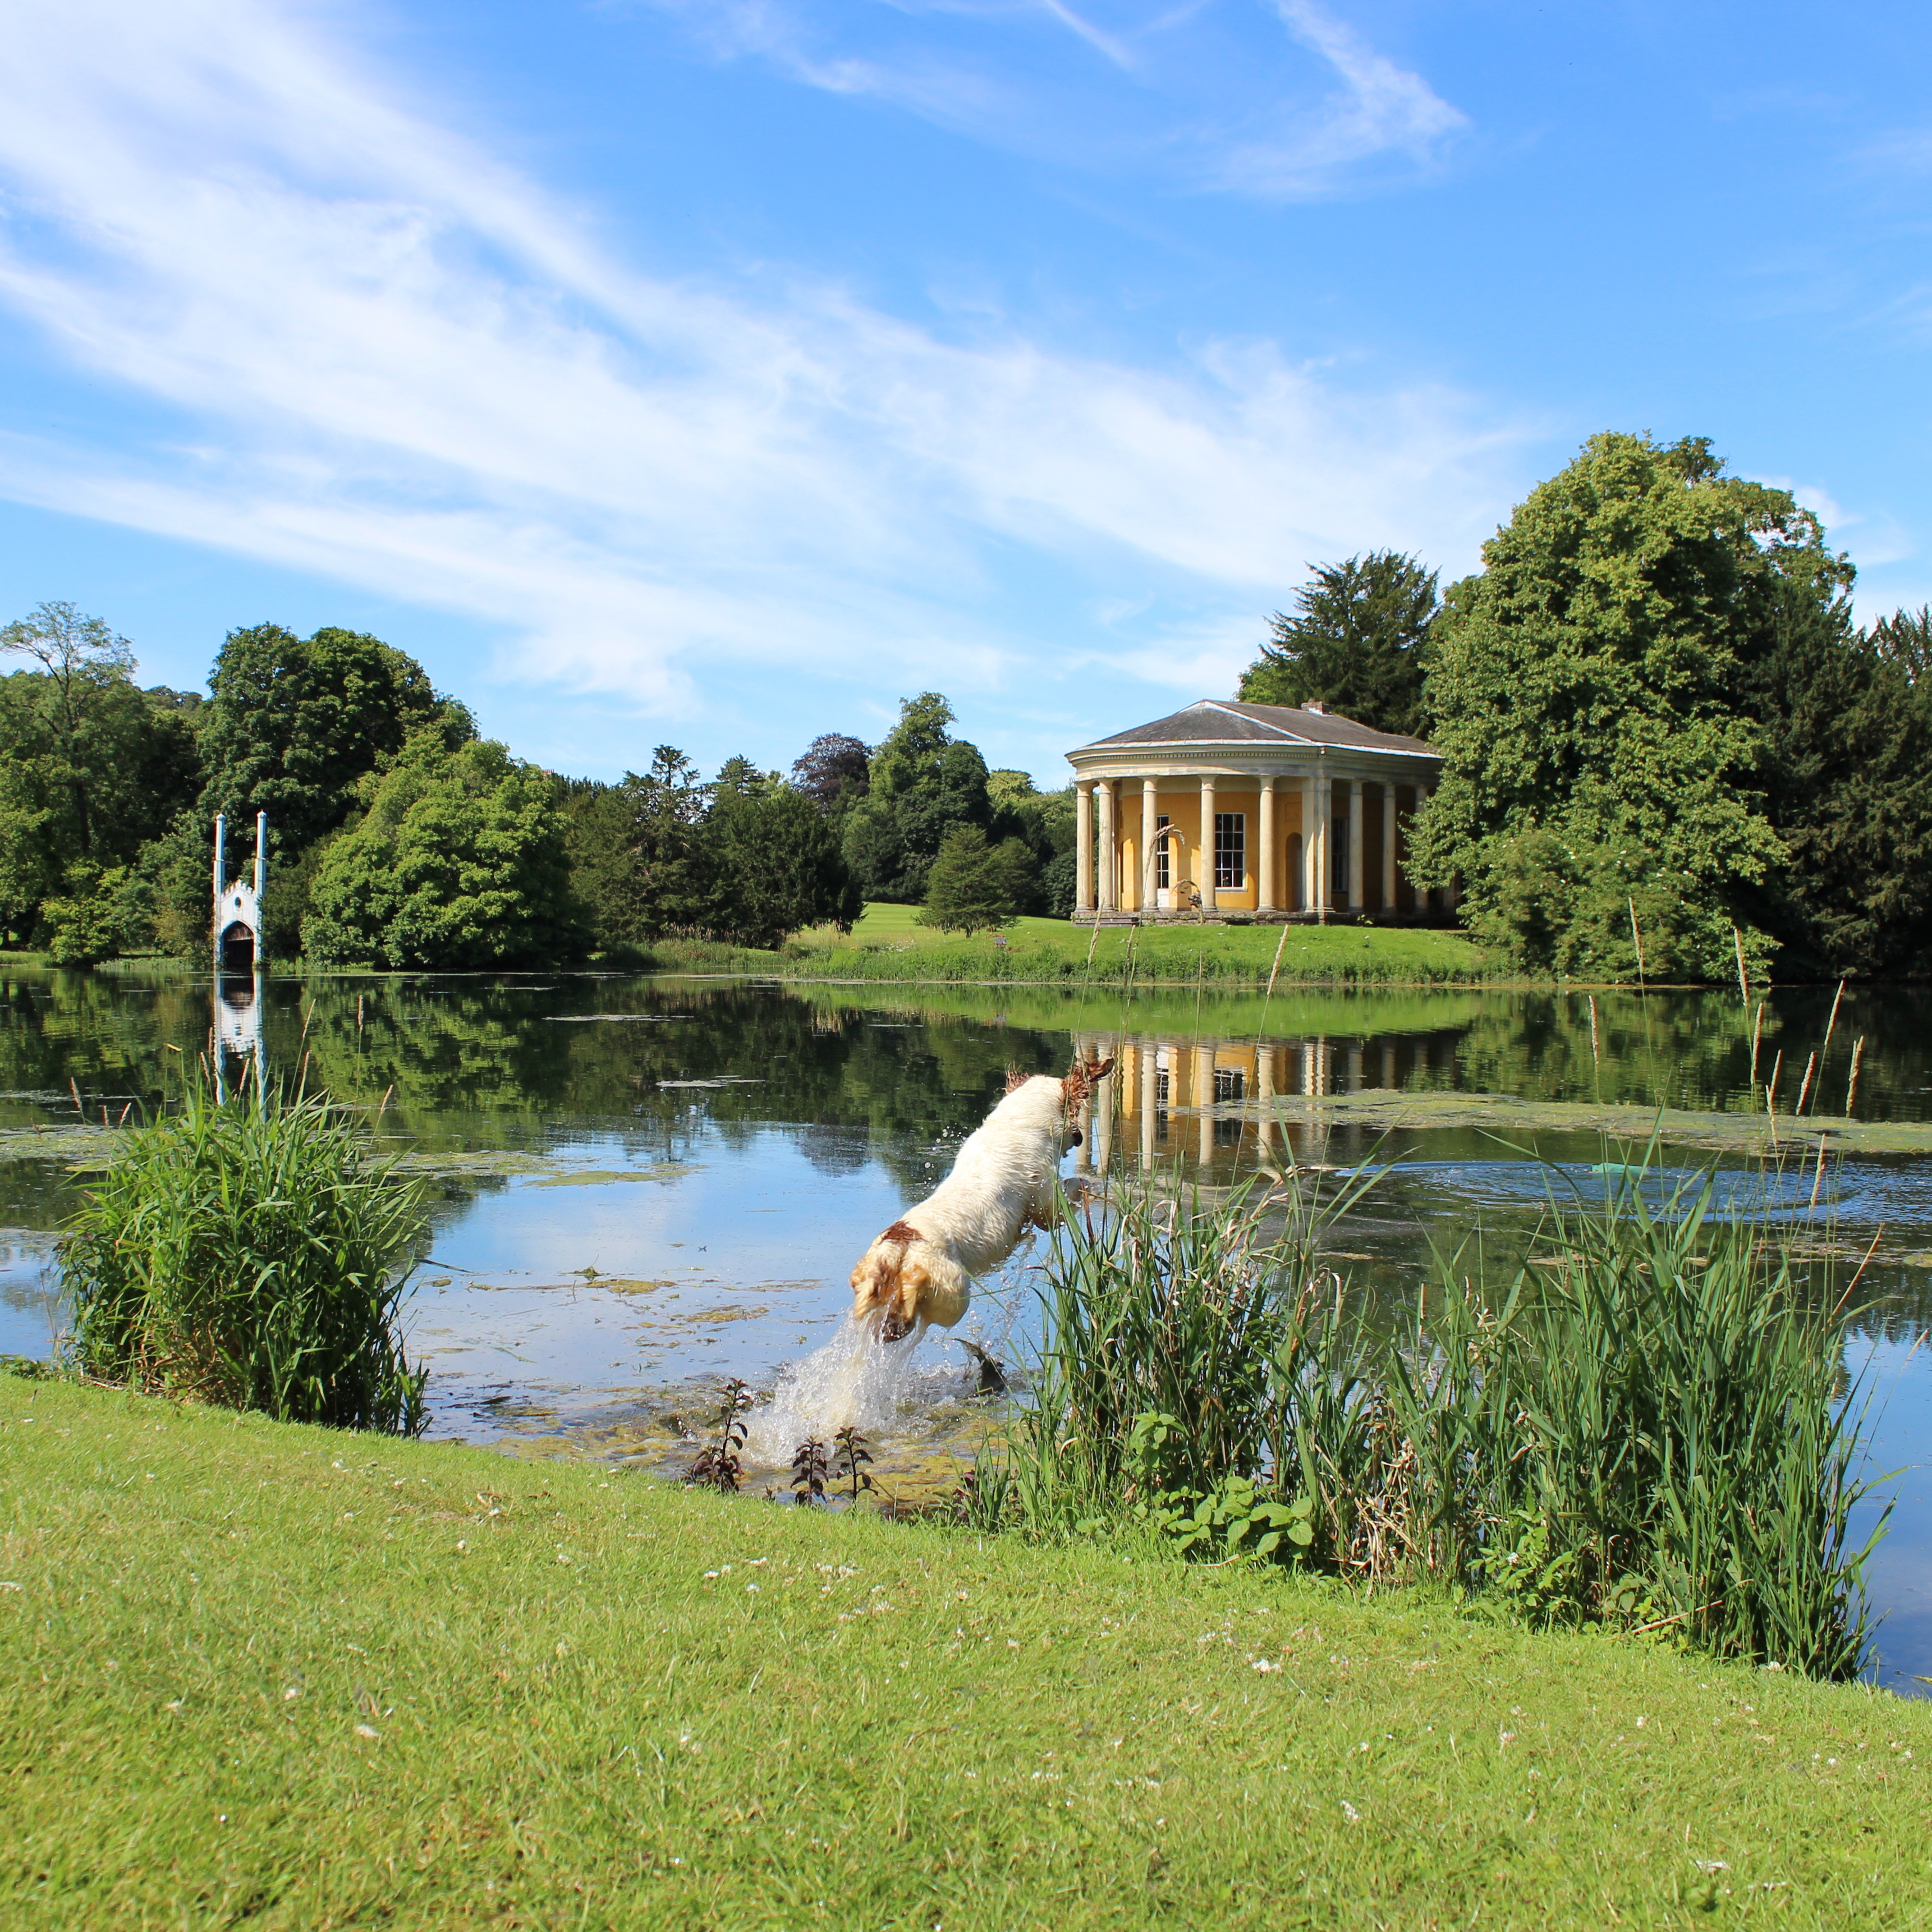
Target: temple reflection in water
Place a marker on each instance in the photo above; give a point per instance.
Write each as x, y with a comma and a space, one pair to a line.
1215, 1101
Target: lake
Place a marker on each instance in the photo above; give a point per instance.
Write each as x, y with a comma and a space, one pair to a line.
642, 1187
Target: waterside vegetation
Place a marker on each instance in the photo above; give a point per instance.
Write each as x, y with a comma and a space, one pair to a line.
248, 1251
1646, 1426
265, 1669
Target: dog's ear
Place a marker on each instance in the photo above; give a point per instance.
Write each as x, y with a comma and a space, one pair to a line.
1086, 1075
1016, 1078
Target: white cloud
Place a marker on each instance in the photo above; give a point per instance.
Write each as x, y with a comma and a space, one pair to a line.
1380, 110
396, 361
1185, 107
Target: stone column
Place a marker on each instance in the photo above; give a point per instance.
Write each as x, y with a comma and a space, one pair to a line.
1103, 1124
1388, 848
1107, 859
1265, 896
1313, 897
1149, 1076
1083, 847
1144, 886
1264, 1097
1205, 862
1356, 871
1203, 1099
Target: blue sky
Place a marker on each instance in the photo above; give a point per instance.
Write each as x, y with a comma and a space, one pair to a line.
718, 372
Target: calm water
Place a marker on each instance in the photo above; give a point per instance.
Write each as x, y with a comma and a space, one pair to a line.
645, 1185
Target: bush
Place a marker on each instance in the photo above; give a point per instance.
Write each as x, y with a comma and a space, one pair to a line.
249, 1253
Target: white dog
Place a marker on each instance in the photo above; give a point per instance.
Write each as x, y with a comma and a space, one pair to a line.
920, 1271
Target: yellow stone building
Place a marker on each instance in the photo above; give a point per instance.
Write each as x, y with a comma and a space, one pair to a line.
1257, 811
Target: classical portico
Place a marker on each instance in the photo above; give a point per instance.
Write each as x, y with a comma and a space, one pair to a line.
1252, 811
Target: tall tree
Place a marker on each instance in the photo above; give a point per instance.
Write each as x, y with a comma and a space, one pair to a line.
775, 866
90, 767
458, 864
834, 772
924, 782
638, 852
1587, 687
1354, 643
295, 723
1847, 773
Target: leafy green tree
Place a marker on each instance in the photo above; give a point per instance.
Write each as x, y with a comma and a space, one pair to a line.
458, 864
924, 783
969, 890
775, 866
1587, 690
293, 726
1354, 642
295, 723
90, 765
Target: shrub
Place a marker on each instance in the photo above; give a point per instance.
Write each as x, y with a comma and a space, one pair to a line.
249, 1253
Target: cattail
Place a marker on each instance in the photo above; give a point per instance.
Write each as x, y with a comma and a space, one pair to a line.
1852, 1091
1811, 1067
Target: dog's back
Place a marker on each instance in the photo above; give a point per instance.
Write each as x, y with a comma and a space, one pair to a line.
920, 1271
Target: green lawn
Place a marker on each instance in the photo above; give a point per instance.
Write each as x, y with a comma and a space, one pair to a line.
885, 943
277, 1677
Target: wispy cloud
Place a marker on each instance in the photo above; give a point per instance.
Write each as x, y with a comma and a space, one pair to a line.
1380, 111
1214, 109
391, 358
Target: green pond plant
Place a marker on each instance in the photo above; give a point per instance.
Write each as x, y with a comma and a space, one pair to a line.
1646, 1426
250, 1251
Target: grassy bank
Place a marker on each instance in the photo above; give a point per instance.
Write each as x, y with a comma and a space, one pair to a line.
886, 944
262, 1672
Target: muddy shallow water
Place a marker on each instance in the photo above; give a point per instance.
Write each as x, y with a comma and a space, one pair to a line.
645, 1187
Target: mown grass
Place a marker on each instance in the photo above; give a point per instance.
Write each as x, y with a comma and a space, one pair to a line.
886, 944
263, 1674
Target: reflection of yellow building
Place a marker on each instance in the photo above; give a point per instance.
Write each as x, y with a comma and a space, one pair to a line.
1258, 810
1199, 1099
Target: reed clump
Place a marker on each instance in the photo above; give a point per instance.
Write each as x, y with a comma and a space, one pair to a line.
1647, 1430
251, 1252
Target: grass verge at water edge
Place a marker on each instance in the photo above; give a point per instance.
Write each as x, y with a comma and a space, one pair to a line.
262, 1673
886, 945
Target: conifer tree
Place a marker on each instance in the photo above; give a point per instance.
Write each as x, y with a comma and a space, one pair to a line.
970, 888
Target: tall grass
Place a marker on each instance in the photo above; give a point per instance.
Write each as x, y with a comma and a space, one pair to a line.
1649, 1430
250, 1252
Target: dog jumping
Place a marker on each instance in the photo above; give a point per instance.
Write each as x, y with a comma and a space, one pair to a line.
918, 1273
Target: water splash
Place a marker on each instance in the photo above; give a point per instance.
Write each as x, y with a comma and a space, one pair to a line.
882, 1389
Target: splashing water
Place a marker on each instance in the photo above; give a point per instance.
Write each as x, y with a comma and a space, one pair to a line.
855, 1380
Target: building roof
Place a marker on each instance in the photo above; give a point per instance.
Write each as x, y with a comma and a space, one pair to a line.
1215, 721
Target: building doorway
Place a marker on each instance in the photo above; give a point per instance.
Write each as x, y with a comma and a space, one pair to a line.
237, 949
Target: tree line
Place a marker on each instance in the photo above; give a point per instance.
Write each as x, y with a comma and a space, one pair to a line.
401, 838
1668, 749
